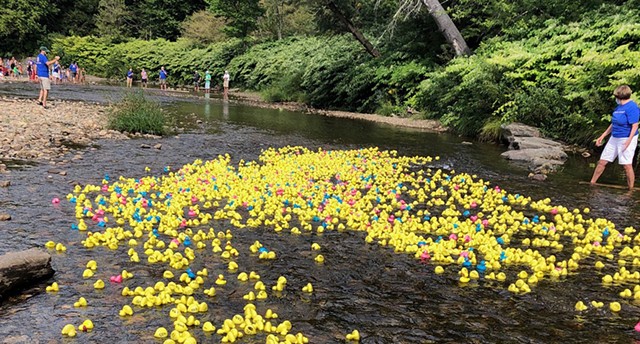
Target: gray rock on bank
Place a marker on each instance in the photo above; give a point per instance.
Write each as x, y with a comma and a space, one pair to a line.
527, 145
23, 268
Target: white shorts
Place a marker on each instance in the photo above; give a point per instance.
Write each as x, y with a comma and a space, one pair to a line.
45, 83
614, 148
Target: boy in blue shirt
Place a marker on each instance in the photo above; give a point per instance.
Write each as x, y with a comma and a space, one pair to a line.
42, 67
624, 136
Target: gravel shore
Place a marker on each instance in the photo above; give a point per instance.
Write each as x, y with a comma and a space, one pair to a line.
30, 132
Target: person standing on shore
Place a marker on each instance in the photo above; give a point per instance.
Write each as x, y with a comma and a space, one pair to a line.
624, 136
130, 77
207, 82
163, 78
225, 84
73, 69
196, 81
143, 77
42, 65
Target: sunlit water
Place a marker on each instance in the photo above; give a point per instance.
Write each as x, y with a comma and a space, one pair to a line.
389, 298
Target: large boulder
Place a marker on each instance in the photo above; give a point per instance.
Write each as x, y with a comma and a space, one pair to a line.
527, 145
23, 268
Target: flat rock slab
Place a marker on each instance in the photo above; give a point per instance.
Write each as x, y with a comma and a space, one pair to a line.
528, 155
521, 130
526, 142
23, 268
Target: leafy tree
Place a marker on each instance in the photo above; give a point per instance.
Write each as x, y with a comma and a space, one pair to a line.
111, 21
284, 18
20, 28
241, 15
161, 18
73, 17
203, 28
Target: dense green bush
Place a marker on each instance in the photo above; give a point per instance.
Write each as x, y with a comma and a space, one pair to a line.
137, 114
560, 78
179, 58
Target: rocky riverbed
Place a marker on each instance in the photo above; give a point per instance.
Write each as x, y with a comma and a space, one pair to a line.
31, 133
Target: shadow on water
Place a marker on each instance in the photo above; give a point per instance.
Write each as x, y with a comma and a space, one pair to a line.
390, 298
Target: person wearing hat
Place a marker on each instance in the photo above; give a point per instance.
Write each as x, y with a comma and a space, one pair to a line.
42, 66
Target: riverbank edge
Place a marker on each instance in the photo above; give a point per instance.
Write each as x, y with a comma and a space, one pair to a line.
254, 99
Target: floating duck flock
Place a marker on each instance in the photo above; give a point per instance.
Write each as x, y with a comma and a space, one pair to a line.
454, 223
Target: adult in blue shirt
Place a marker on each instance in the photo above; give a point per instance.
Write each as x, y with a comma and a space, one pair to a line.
42, 70
624, 136
163, 78
130, 77
73, 68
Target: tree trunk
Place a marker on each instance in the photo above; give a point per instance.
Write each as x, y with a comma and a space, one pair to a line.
354, 30
18, 269
448, 28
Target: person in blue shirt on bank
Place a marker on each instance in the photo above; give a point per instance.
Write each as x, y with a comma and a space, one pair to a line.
42, 66
163, 78
130, 77
624, 136
73, 68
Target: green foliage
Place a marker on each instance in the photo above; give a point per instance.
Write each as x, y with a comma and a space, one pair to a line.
151, 19
241, 15
560, 79
180, 58
20, 28
203, 28
137, 114
111, 19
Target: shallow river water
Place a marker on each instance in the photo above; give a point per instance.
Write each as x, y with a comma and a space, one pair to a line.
388, 297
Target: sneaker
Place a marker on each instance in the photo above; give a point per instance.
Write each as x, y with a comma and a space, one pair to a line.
45, 107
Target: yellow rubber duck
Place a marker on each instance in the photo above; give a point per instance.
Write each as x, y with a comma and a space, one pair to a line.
87, 273
69, 330
50, 244
208, 327
92, 265
243, 277
254, 276
161, 332
221, 280
210, 292
233, 266
261, 295
86, 325
439, 270
126, 311
60, 247
99, 284
315, 246
308, 288
82, 302
580, 306
319, 258
615, 307
52, 288
354, 336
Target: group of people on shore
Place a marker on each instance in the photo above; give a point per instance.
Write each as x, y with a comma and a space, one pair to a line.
12, 68
197, 80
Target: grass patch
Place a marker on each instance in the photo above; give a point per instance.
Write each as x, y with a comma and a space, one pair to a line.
137, 114
285, 89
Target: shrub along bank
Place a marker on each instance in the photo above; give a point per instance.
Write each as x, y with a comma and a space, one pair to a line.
559, 78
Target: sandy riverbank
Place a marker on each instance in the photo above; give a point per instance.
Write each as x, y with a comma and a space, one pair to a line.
29, 132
